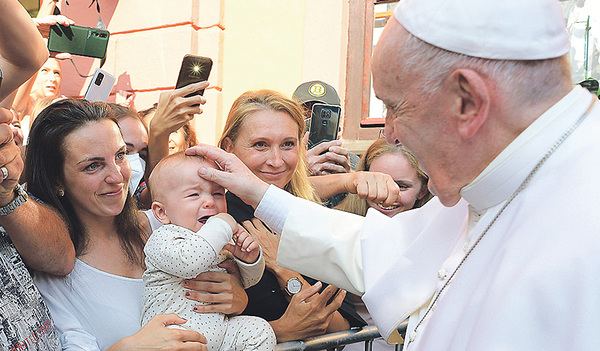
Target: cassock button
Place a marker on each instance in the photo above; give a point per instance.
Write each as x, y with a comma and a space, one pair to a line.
442, 273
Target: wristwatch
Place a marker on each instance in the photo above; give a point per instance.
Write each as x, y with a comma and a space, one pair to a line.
20, 198
293, 286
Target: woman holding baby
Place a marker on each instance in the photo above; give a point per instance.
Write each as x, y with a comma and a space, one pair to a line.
76, 163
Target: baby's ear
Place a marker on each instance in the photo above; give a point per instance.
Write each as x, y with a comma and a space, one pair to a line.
160, 213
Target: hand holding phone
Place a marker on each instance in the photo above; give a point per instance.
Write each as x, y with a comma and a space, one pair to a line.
193, 69
77, 40
100, 86
324, 124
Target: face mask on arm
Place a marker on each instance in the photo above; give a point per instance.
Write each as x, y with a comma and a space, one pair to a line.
138, 167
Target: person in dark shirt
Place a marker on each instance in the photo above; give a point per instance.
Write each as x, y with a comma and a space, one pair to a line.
264, 129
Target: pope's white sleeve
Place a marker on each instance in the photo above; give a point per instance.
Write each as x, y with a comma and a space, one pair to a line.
316, 241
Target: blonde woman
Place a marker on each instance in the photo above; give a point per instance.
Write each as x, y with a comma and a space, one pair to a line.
264, 129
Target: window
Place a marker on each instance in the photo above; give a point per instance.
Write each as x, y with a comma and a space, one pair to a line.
365, 114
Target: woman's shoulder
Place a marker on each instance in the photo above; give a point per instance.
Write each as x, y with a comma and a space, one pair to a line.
83, 276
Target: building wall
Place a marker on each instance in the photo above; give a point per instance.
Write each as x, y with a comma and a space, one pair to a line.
254, 44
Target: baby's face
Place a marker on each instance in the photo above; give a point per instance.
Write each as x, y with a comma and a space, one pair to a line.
192, 199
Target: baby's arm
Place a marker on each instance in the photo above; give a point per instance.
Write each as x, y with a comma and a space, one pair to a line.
183, 253
244, 247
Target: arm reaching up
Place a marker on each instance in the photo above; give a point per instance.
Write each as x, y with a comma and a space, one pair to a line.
22, 49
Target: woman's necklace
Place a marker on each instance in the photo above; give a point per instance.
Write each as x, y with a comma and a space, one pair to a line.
412, 336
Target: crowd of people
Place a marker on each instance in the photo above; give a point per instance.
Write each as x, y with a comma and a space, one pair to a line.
119, 231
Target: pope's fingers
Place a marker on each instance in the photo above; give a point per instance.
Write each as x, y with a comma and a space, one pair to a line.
211, 152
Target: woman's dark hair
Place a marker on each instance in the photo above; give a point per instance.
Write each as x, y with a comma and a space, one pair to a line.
44, 165
120, 111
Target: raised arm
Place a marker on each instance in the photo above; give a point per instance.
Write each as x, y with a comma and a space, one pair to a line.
22, 49
173, 111
38, 233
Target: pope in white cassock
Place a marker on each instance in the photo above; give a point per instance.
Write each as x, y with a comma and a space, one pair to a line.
507, 257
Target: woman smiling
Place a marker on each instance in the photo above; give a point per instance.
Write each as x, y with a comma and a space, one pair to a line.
264, 129
76, 163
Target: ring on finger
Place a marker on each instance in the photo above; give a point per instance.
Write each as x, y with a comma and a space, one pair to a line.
4, 172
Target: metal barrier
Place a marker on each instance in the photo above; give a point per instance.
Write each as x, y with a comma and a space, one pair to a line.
337, 340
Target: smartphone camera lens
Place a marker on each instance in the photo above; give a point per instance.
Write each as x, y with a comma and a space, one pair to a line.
326, 114
99, 79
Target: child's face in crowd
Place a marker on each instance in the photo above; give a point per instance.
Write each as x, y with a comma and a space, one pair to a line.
135, 136
177, 141
191, 200
96, 171
268, 144
397, 165
48, 80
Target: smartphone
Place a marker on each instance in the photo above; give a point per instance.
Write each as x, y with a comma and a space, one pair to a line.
77, 40
100, 86
193, 69
324, 123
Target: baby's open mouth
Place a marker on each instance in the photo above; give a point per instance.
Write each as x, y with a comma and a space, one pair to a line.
203, 219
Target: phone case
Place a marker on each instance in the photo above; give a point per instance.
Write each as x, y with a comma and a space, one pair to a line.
193, 69
324, 124
100, 86
77, 40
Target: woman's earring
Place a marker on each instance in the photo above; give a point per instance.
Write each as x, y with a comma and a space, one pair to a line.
61, 193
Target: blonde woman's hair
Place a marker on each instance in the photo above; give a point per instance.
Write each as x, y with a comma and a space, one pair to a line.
353, 204
265, 100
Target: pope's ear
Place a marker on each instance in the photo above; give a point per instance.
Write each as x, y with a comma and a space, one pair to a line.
227, 144
160, 213
472, 101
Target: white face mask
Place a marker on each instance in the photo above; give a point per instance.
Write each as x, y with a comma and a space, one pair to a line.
138, 167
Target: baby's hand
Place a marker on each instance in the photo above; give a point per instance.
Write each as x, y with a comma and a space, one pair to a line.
245, 248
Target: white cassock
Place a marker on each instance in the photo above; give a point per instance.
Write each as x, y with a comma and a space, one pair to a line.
532, 282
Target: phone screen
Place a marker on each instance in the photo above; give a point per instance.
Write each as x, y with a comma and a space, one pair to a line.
324, 124
194, 69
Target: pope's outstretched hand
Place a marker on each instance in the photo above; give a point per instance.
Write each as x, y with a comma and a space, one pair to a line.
233, 174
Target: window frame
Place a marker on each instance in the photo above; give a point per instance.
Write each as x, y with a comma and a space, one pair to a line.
359, 129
